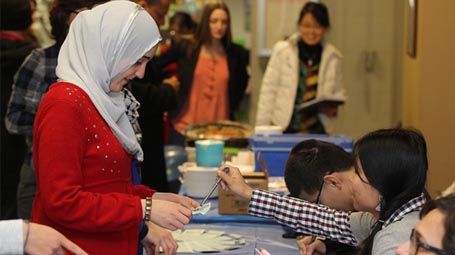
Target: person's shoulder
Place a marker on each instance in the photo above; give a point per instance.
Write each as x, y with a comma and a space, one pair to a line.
390, 237
361, 223
237, 49
330, 49
41, 55
364, 219
237, 46
34, 61
407, 222
65, 91
52, 51
37, 53
287, 43
64, 95
185, 43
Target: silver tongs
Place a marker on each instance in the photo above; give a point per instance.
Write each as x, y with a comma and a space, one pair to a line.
217, 182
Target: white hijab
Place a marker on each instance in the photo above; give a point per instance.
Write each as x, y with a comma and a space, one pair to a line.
101, 45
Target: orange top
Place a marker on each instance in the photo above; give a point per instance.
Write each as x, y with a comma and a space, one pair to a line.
208, 99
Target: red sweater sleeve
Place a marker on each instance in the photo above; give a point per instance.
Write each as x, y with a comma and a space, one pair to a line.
65, 193
143, 191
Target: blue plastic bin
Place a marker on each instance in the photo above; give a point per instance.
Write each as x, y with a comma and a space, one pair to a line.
275, 149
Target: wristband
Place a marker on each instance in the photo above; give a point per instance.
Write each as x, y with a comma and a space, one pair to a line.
148, 208
144, 231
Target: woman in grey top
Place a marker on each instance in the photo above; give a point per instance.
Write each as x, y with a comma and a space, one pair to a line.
388, 191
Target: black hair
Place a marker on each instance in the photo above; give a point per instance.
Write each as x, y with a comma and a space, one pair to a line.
447, 206
394, 162
183, 21
308, 163
60, 13
319, 12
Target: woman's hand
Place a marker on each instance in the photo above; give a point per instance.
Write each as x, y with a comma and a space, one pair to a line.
46, 240
171, 197
234, 181
309, 247
169, 215
159, 237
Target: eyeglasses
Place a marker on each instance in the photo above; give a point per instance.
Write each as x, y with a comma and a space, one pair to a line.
318, 199
416, 244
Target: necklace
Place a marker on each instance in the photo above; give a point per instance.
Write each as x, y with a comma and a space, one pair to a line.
310, 62
309, 54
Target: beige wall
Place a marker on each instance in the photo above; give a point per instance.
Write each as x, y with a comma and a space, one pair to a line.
429, 88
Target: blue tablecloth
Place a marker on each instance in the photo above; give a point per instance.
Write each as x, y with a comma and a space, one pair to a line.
267, 236
257, 232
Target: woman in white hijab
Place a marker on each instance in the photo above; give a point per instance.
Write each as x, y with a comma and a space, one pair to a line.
84, 143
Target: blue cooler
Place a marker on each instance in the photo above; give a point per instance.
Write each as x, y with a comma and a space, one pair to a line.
275, 149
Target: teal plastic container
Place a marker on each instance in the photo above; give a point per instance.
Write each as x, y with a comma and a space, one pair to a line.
209, 153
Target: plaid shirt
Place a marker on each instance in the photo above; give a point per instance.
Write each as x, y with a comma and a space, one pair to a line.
316, 220
31, 82
303, 217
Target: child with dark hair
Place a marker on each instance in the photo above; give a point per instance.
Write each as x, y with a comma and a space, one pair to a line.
388, 192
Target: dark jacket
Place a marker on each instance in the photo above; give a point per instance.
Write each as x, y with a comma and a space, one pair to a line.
12, 54
155, 98
237, 59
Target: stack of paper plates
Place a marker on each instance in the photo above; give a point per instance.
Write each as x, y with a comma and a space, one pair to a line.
205, 241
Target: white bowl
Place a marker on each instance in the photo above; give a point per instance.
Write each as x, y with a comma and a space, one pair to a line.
198, 180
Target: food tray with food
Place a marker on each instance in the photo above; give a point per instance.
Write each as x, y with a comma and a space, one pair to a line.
234, 134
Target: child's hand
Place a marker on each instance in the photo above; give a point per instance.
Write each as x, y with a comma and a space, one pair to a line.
234, 181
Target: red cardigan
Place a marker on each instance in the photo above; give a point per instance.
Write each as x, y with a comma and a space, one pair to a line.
84, 187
